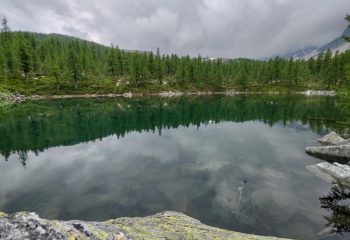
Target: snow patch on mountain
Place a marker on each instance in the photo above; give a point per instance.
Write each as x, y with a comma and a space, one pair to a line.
337, 45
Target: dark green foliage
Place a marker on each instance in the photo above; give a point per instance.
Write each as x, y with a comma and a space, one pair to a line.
25, 60
75, 70
38, 125
57, 64
337, 202
347, 18
345, 61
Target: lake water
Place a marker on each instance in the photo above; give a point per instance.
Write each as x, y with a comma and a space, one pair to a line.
233, 162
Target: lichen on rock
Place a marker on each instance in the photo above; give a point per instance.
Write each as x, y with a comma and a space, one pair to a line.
166, 225
26, 225
174, 225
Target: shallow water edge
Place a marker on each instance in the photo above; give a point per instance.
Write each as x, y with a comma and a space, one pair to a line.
175, 93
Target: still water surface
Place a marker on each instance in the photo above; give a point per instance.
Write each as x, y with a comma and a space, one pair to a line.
233, 162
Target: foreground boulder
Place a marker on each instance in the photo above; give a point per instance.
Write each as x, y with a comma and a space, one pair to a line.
339, 153
166, 225
334, 149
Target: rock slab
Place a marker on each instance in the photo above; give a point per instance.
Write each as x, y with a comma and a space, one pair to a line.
340, 153
166, 225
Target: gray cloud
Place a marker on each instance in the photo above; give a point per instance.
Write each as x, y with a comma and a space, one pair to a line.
226, 28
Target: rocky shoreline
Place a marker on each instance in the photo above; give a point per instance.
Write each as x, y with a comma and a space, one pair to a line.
11, 97
166, 225
158, 94
7, 97
330, 93
336, 151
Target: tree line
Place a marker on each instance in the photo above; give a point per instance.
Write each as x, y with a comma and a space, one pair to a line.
69, 63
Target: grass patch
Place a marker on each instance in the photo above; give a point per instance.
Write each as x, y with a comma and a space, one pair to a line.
104, 85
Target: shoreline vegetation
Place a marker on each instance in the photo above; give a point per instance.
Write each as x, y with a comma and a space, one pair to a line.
15, 97
6, 98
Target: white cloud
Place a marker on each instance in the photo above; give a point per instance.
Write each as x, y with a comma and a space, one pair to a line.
227, 28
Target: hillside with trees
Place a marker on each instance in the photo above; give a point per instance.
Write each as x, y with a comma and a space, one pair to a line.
44, 64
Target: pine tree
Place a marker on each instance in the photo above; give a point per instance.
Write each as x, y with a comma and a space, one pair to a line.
25, 60
347, 38
242, 80
326, 68
112, 62
9, 59
74, 67
5, 29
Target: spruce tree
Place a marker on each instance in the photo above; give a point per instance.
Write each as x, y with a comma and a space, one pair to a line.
25, 60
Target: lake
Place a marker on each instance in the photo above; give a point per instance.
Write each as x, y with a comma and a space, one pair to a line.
234, 162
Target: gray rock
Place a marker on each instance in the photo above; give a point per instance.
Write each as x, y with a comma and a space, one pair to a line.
337, 170
345, 142
339, 153
331, 93
29, 226
314, 169
167, 225
330, 139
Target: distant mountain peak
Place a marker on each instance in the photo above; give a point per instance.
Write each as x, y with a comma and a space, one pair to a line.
338, 44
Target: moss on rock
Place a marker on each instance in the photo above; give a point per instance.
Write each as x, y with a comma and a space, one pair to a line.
174, 225
167, 225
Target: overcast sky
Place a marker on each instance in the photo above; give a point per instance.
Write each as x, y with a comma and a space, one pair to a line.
216, 28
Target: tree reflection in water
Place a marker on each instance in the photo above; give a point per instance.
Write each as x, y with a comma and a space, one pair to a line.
338, 203
39, 125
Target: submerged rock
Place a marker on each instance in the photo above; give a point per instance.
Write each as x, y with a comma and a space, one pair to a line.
314, 169
336, 150
166, 225
340, 172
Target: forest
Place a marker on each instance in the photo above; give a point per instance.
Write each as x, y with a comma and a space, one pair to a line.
35, 63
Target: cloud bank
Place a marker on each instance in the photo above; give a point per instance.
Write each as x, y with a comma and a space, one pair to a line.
216, 28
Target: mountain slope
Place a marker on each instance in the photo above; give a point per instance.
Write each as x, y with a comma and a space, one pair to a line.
337, 44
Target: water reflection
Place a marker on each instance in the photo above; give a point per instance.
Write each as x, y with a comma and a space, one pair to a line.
36, 126
191, 170
337, 202
236, 163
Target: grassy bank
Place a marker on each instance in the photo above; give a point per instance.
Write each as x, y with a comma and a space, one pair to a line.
46, 86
